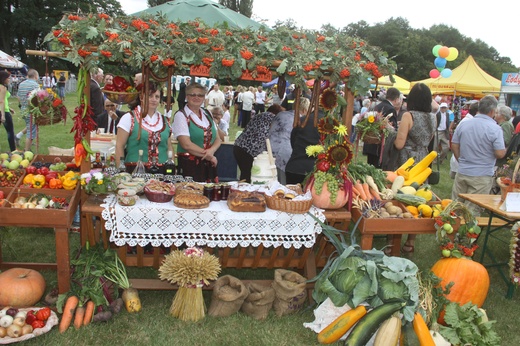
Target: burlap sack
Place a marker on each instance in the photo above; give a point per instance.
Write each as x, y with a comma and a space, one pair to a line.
289, 288
228, 296
259, 301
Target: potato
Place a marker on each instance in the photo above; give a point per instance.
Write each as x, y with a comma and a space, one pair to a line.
388, 204
407, 215
393, 210
384, 214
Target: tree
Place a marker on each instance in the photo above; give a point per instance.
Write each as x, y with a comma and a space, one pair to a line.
244, 7
25, 23
153, 3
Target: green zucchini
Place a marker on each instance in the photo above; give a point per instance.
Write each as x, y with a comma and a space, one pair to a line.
368, 324
410, 199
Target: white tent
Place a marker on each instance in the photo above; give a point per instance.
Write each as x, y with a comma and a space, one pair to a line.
7, 61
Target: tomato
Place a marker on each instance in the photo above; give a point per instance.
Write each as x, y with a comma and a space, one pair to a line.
43, 314
31, 317
37, 324
323, 166
45, 170
31, 170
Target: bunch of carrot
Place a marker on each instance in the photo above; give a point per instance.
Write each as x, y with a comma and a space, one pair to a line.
367, 181
76, 313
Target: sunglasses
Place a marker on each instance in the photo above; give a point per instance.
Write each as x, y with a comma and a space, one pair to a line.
196, 95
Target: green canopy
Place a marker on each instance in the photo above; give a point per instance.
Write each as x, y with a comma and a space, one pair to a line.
208, 11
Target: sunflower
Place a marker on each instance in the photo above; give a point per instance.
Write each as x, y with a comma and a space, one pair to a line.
371, 118
339, 154
329, 99
327, 125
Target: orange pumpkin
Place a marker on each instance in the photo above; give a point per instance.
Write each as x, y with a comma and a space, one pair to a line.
323, 199
471, 280
21, 287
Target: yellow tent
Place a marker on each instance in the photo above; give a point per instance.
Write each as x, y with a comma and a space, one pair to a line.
468, 79
400, 83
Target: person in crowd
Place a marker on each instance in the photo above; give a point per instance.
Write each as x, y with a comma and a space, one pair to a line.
442, 134
198, 138
5, 111
228, 95
260, 100
215, 98
238, 104
476, 153
109, 119
387, 108
503, 118
251, 141
108, 79
222, 125
54, 81
25, 88
97, 99
300, 164
247, 98
275, 97
47, 81
61, 85
227, 116
290, 96
415, 133
181, 97
154, 135
454, 164
280, 137
138, 80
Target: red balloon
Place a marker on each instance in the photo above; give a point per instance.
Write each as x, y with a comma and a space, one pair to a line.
444, 52
434, 73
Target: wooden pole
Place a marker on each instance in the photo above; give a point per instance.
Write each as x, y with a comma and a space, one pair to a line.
348, 113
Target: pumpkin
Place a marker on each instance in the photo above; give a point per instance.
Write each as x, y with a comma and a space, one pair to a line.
21, 287
471, 280
323, 199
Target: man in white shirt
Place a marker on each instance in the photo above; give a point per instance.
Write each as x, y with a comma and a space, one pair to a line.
442, 135
47, 81
248, 99
260, 96
215, 97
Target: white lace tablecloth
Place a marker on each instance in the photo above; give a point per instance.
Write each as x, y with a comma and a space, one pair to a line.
216, 226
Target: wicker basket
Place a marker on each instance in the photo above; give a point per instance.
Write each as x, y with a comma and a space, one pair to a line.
371, 138
49, 118
121, 97
289, 205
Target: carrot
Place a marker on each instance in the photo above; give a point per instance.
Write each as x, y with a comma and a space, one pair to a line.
366, 189
80, 315
374, 193
355, 192
68, 312
361, 191
89, 312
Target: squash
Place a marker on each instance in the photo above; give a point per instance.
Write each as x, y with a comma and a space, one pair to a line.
334, 331
422, 165
419, 178
422, 331
425, 192
425, 210
470, 278
445, 203
413, 210
407, 165
409, 199
408, 190
323, 199
397, 184
389, 333
21, 287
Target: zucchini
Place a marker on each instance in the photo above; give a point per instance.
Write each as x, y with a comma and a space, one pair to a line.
410, 199
368, 325
389, 333
334, 331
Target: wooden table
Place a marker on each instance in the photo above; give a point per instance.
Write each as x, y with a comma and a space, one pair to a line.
492, 203
303, 259
59, 219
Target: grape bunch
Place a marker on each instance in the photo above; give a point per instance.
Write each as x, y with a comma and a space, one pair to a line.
39, 164
321, 178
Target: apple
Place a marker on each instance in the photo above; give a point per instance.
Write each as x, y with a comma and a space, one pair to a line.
448, 228
446, 253
13, 164
471, 230
25, 163
16, 157
29, 155
4, 156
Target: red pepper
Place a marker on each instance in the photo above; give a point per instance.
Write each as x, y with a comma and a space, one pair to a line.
31, 169
323, 166
37, 324
31, 317
45, 170
51, 175
79, 154
43, 314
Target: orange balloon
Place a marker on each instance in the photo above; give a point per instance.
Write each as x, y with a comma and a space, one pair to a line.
444, 52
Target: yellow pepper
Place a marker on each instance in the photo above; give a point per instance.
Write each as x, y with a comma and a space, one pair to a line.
69, 180
28, 179
38, 181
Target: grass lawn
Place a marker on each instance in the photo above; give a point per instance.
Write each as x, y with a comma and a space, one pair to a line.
154, 326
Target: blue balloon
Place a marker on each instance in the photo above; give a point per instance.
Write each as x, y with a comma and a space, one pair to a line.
440, 62
446, 73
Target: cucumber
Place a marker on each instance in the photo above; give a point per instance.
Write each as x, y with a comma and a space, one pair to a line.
410, 199
368, 324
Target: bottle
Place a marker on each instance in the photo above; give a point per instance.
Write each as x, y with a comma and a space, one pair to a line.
122, 166
97, 163
111, 169
139, 169
169, 165
154, 168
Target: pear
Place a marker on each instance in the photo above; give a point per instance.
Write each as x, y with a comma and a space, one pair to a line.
25, 163
13, 164
28, 155
16, 157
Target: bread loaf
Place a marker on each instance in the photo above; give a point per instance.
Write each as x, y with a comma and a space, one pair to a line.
246, 201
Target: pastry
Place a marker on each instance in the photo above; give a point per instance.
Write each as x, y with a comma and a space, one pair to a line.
279, 193
191, 201
290, 195
189, 188
246, 201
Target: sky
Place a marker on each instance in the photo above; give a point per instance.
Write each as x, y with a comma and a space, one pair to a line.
493, 22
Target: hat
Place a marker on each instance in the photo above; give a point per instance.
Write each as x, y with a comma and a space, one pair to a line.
188, 78
444, 104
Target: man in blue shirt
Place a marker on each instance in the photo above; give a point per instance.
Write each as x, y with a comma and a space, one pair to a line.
24, 89
476, 144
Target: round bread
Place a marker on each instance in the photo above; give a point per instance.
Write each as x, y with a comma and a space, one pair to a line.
191, 201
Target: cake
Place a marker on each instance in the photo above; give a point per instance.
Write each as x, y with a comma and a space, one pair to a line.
191, 201
246, 201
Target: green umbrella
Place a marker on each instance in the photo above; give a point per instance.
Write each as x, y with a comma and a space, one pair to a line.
208, 11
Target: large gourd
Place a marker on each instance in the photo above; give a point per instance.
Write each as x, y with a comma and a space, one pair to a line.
21, 287
471, 280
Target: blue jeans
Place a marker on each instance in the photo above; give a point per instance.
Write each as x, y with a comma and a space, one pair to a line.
61, 92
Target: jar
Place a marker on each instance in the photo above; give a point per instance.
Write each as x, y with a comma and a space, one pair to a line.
208, 191
217, 193
127, 197
224, 191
